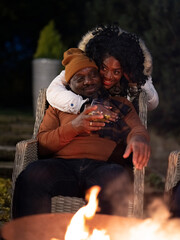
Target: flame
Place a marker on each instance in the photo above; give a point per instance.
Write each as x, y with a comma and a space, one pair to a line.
153, 230
158, 227
77, 229
148, 230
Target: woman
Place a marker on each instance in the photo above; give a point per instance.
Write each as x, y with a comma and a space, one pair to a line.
124, 63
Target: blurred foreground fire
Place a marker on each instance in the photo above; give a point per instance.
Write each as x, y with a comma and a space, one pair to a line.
78, 229
158, 227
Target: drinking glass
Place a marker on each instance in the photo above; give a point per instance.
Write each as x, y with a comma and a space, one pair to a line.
103, 108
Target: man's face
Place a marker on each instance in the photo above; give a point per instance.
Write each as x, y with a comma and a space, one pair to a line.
86, 82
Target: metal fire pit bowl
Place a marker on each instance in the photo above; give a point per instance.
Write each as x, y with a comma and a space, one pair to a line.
48, 226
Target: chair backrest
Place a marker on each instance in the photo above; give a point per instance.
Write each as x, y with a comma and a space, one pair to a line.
137, 208
40, 110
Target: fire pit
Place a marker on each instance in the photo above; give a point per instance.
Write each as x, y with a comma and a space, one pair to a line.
86, 225
53, 227
49, 226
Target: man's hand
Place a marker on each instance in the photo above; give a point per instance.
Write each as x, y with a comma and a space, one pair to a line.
141, 151
85, 123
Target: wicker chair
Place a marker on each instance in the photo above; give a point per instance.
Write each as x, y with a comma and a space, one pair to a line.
26, 152
173, 174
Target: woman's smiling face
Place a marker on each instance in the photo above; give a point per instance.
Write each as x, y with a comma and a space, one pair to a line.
111, 72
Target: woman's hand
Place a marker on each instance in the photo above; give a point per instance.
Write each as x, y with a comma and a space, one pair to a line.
113, 117
86, 123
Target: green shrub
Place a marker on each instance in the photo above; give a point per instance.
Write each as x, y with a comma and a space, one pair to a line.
5, 199
49, 43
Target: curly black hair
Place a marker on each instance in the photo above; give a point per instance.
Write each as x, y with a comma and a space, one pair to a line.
111, 40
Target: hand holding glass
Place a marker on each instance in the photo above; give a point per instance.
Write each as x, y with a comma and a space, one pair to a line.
104, 109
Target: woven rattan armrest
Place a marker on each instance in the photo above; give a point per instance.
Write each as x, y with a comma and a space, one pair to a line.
26, 152
173, 171
138, 203
172, 176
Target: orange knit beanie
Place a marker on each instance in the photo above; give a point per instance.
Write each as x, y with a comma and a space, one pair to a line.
75, 60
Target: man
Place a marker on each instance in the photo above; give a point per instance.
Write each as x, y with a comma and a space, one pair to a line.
78, 147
